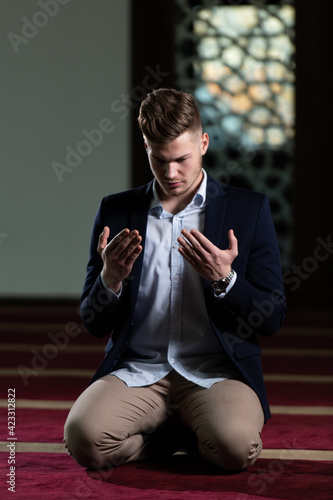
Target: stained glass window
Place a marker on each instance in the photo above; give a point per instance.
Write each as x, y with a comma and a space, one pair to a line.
238, 61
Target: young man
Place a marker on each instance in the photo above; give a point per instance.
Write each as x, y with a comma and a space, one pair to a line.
182, 300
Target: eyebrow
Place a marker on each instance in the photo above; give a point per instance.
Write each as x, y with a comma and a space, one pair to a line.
183, 157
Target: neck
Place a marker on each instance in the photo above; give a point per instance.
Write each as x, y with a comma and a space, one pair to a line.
174, 205
177, 203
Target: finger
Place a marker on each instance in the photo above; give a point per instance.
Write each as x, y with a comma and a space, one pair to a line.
118, 239
233, 242
193, 242
127, 247
198, 240
134, 255
103, 239
187, 255
186, 248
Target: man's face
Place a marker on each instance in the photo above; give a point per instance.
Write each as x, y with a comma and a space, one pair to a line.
177, 165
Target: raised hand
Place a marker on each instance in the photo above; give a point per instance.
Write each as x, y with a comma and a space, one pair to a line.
118, 256
208, 260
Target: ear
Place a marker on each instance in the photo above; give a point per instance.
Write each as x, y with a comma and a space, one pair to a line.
204, 143
145, 144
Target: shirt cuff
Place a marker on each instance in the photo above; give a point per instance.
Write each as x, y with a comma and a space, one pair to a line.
229, 287
111, 294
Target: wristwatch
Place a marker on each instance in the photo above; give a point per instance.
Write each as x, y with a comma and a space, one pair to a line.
220, 285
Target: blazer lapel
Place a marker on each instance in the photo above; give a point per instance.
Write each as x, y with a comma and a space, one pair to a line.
138, 220
215, 209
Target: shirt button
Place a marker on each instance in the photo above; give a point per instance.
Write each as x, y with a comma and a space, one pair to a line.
172, 360
176, 276
175, 246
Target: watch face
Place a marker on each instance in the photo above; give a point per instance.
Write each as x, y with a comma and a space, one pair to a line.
221, 286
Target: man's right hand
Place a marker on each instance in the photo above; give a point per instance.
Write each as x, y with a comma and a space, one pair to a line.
118, 256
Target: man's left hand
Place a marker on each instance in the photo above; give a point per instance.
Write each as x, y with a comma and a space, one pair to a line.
208, 260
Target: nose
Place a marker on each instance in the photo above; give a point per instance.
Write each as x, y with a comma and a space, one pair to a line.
171, 170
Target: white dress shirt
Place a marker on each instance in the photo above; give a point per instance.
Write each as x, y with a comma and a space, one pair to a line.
171, 325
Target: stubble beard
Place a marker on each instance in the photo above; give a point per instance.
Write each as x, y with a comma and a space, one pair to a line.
188, 188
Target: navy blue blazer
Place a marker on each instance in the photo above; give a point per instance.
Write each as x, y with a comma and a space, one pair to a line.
254, 306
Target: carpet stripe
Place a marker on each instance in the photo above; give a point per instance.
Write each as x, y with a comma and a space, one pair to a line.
64, 350
47, 325
315, 455
35, 447
322, 455
317, 379
39, 404
40, 327
325, 353
304, 332
301, 410
70, 372
320, 353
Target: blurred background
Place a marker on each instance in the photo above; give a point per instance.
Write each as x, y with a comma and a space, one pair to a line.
73, 75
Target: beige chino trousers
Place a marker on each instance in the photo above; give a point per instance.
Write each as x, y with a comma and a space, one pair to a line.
112, 424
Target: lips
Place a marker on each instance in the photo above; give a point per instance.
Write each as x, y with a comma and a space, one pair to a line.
173, 185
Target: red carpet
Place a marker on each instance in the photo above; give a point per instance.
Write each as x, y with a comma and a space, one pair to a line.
50, 476
298, 394
302, 420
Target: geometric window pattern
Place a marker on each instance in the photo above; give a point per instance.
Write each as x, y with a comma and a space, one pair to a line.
238, 62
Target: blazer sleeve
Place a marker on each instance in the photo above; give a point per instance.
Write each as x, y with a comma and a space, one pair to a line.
100, 314
256, 302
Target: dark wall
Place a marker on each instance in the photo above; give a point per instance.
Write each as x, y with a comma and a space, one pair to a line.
313, 187
308, 282
152, 47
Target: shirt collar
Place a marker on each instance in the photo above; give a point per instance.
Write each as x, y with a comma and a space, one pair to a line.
199, 198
